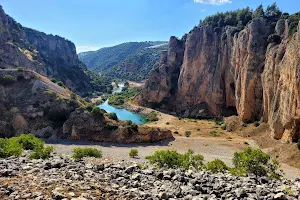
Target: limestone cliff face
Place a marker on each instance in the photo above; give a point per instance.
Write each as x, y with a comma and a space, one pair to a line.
281, 81
49, 55
162, 83
204, 84
247, 64
225, 72
219, 73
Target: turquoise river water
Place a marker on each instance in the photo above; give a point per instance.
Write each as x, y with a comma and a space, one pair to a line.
123, 114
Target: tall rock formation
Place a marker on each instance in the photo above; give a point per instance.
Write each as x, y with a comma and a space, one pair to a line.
281, 84
253, 73
162, 84
49, 55
247, 64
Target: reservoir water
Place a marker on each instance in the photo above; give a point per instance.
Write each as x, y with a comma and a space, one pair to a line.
123, 114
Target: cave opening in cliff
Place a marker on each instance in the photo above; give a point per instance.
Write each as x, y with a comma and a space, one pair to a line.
228, 111
296, 135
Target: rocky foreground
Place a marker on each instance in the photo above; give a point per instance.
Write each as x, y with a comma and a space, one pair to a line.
63, 178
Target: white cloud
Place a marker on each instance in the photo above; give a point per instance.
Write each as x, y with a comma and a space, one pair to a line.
80, 49
203, 10
213, 2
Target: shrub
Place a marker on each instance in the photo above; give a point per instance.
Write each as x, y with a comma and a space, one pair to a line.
53, 80
7, 79
254, 161
113, 116
129, 122
79, 153
216, 165
111, 126
73, 96
15, 145
214, 134
9, 148
176, 132
188, 133
237, 171
97, 111
60, 84
223, 127
173, 159
198, 129
256, 124
244, 124
89, 107
41, 153
20, 69
28, 141
152, 116
133, 153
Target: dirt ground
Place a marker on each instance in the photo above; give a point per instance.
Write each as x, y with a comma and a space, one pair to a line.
221, 145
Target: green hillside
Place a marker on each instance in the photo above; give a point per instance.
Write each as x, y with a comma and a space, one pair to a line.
132, 60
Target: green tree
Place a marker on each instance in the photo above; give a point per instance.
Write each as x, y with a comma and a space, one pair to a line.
259, 12
113, 116
273, 12
244, 16
221, 22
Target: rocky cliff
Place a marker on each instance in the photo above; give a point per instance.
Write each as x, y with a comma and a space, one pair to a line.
252, 73
281, 81
29, 102
86, 126
49, 55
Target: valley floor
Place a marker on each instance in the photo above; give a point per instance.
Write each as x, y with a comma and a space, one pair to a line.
210, 148
207, 138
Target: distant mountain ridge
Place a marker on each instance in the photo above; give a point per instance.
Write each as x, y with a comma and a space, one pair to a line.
131, 60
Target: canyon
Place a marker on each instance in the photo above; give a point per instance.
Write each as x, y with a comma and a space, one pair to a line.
223, 72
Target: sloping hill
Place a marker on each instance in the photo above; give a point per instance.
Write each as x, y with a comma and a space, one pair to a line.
49, 55
132, 60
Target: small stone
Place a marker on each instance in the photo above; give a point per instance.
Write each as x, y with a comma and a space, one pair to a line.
71, 194
129, 169
280, 196
159, 175
136, 177
162, 195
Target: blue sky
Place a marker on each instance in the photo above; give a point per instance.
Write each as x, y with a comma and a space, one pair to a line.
92, 24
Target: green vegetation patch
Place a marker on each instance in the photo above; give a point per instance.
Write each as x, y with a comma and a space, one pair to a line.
127, 94
188, 133
14, 147
254, 161
96, 111
133, 153
173, 159
152, 116
113, 116
7, 79
216, 166
41, 152
79, 153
